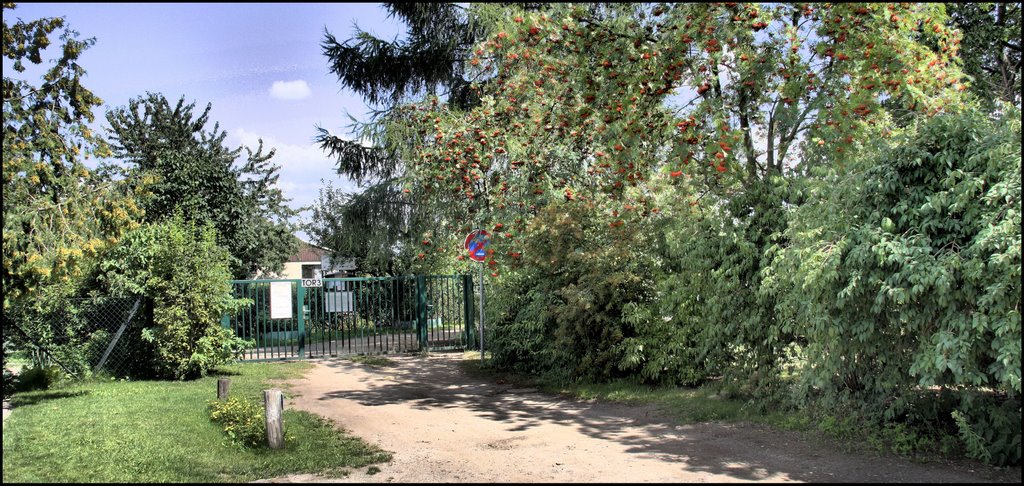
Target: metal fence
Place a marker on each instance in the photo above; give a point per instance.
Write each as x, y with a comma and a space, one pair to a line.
82, 336
295, 319
333, 317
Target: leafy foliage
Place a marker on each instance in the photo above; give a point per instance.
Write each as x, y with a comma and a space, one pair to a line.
560, 309
242, 419
192, 170
376, 226
794, 212
583, 102
58, 214
180, 267
36, 377
991, 48
747, 191
908, 275
9, 378
603, 108
433, 58
712, 288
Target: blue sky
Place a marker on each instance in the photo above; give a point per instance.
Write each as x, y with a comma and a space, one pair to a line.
260, 65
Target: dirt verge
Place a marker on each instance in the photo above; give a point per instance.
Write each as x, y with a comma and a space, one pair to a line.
444, 426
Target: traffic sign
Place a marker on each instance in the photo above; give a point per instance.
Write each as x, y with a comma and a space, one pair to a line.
476, 244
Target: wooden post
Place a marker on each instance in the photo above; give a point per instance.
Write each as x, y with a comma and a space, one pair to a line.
273, 402
222, 388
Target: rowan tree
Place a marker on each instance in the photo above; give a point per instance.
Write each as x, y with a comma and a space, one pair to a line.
588, 103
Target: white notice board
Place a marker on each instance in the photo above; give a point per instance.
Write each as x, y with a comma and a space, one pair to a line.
280, 300
338, 301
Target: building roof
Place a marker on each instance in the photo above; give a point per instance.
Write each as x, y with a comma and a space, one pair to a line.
308, 252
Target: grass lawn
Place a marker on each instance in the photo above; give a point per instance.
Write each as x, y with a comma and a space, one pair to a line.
160, 431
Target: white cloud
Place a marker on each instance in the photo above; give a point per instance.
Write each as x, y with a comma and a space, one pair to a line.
290, 90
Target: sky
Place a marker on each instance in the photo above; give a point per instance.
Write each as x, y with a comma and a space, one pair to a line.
260, 65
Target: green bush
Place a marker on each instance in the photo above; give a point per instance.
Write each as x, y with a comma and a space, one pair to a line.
903, 275
180, 267
560, 311
712, 292
662, 351
990, 429
10, 381
243, 420
37, 378
9, 377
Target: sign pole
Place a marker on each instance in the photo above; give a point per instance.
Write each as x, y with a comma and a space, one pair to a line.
481, 312
476, 244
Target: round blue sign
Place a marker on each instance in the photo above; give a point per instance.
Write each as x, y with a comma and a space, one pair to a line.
476, 243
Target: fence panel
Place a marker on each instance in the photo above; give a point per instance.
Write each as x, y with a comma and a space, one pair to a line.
343, 316
100, 335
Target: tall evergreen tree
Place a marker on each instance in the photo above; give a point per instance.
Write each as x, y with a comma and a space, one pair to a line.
382, 224
990, 48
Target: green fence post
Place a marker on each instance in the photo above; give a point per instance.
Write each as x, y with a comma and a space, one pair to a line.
421, 310
225, 319
301, 297
467, 302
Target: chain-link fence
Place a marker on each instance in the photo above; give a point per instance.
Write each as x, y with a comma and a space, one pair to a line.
83, 336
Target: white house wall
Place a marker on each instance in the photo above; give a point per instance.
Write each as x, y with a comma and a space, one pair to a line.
292, 270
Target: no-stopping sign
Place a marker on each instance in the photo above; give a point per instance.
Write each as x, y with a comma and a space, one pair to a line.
476, 244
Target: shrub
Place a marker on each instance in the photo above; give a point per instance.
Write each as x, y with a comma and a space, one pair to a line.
10, 380
243, 420
719, 316
9, 377
904, 274
181, 268
560, 311
37, 377
662, 351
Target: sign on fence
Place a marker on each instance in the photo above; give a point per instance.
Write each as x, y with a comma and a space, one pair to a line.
337, 302
280, 300
312, 282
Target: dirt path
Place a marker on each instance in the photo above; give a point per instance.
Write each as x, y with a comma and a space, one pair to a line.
443, 426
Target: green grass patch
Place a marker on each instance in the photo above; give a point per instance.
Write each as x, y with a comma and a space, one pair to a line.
684, 405
160, 431
846, 429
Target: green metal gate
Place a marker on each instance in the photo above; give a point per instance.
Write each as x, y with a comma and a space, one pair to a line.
342, 316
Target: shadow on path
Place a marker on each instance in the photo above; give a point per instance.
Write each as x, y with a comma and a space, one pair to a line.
740, 451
